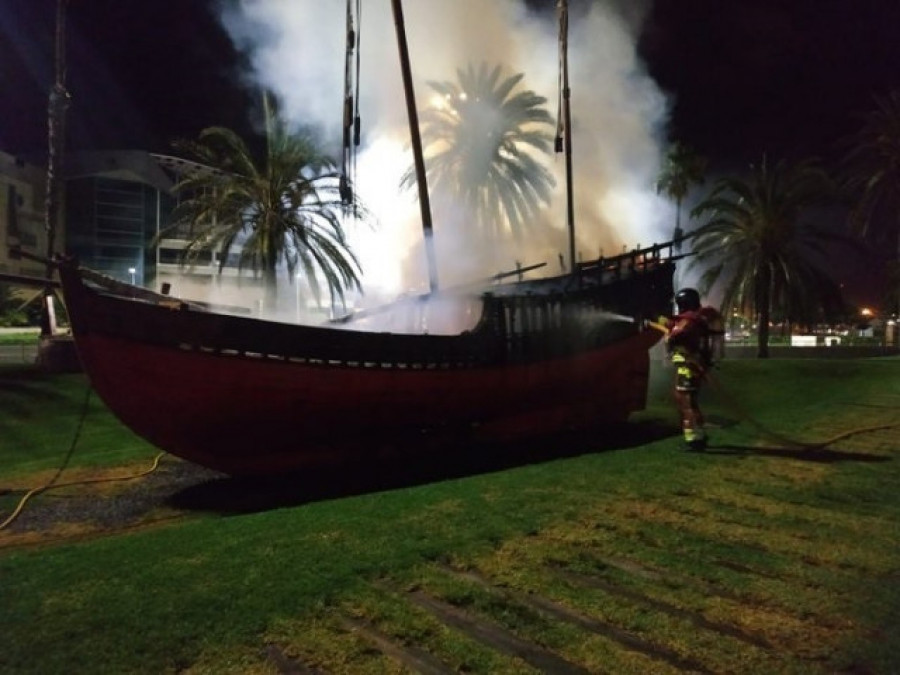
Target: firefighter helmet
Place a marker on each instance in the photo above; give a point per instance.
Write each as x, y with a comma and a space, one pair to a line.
687, 299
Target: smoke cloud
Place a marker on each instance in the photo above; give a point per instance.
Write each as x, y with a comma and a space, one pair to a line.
297, 47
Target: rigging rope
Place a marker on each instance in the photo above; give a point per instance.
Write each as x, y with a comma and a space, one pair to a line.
356, 119
351, 118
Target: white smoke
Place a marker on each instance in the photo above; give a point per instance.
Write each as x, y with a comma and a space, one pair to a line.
297, 48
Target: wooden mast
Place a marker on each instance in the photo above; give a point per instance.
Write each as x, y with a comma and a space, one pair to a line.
563, 11
56, 125
424, 201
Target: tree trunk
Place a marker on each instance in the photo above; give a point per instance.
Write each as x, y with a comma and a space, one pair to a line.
678, 231
270, 297
896, 279
763, 311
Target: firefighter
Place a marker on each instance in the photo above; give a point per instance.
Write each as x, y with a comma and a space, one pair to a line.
693, 340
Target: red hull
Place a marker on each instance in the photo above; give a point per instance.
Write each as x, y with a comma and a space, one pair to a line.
245, 415
246, 396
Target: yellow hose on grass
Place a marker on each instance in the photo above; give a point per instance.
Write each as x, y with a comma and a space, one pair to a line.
51, 485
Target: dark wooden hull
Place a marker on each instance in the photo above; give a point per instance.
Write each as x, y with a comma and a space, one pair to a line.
245, 396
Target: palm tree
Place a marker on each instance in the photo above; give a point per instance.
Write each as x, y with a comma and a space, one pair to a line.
483, 144
758, 243
871, 176
682, 168
282, 208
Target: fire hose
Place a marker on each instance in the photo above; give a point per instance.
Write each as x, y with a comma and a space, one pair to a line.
736, 407
744, 416
52, 484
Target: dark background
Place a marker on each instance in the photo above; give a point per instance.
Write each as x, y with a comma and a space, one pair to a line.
140, 73
787, 77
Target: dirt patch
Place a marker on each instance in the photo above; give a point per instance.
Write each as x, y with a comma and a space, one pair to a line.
91, 502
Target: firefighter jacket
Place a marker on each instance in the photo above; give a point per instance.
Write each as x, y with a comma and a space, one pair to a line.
695, 336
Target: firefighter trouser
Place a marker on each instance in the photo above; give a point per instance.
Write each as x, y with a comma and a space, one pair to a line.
688, 378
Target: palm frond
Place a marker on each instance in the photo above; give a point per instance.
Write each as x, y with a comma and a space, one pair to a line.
758, 243
282, 209
483, 144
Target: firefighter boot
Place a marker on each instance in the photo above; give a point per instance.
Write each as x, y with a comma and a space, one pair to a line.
695, 438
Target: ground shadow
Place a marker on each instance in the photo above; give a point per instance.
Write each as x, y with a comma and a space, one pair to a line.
807, 454
415, 463
721, 422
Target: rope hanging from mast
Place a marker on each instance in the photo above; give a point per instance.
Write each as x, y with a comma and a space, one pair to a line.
564, 125
563, 16
351, 119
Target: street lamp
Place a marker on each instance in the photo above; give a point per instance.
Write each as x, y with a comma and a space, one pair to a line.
132, 271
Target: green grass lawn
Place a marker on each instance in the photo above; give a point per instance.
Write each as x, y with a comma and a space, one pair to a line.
20, 337
628, 555
42, 415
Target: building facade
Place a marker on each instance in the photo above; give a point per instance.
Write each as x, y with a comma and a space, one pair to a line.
22, 222
115, 217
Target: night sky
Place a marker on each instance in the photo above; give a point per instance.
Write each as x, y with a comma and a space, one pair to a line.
743, 77
140, 73
788, 77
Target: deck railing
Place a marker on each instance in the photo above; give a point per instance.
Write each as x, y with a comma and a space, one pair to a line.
631, 261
